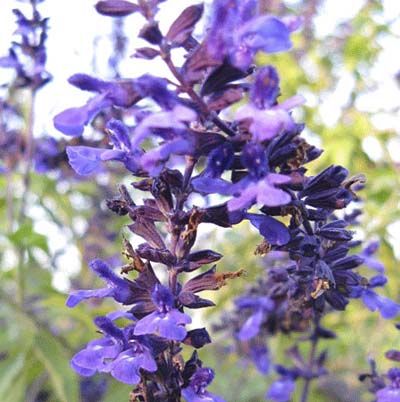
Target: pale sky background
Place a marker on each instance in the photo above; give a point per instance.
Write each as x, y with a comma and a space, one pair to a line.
74, 25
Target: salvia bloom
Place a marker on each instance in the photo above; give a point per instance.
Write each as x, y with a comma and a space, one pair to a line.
385, 387
27, 59
179, 145
316, 276
27, 56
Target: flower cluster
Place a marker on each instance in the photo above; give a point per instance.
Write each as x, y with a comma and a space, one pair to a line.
308, 277
181, 145
385, 387
27, 57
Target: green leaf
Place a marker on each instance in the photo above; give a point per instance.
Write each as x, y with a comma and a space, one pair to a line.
55, 359
26, 237
18, 391
10, 370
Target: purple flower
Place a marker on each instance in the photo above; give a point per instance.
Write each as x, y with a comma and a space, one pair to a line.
259, 354
265, 33
373, 301
28, 54
390, 393
369, 260
196, 391
126, 367
238, 33
260, 306
11, 61
117, 287
263, 191
166, 321
265, 89
267, 123
259, 185
219, 160
46, 150
87, 160
275, 232
281, 390
171, 126
174, 119
72, 121
119, 93
117, 352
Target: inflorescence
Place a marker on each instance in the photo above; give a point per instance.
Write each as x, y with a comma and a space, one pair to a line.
188, 141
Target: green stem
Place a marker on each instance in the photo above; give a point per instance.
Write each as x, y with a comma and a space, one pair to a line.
26, 181
28, 156
307, 381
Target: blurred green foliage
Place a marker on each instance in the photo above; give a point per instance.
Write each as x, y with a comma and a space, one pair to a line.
39, 335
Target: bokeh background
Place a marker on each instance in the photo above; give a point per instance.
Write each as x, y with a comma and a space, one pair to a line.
344, 61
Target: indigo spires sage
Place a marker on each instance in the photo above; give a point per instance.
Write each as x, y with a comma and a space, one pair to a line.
181, 144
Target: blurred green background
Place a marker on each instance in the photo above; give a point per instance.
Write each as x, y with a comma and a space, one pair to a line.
344, 63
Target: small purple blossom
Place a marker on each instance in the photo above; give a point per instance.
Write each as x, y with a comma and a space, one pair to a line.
116, 353
72, 121
369, 259
390, 393
259, 306
263, 192
274, 232
118, 93
88, 160
373, 301
251, 33
260, 356
265, 90
265, 124
46, 151
196, 391
117, 287
166, 321
281, 390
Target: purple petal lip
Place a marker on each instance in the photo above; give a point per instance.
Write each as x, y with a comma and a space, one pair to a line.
72, 121
169, 325
85, 160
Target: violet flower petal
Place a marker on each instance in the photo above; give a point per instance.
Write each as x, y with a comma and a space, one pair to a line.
94, 356
281, 390
72, 121
208, 185
191, 395
388, 394
271, 196
252, 326
85, 160
274, 231
167, 325
126, 367
76, 297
